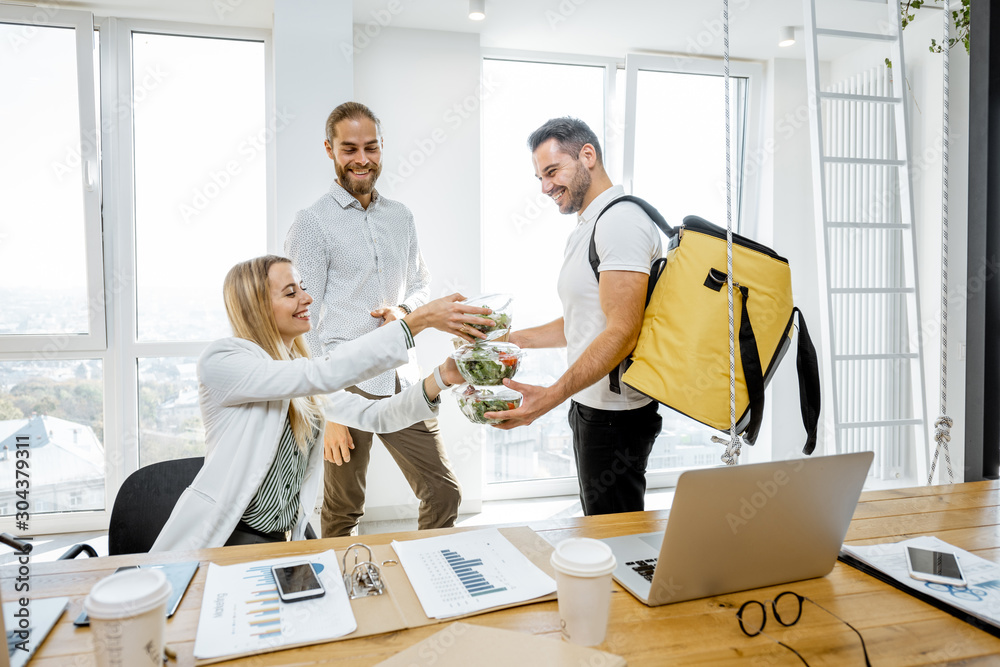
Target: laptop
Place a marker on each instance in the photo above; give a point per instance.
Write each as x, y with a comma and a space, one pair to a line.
41, 615
740, 527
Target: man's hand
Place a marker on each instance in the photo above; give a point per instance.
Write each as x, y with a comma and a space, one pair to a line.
537, 401
389, 314
337, 444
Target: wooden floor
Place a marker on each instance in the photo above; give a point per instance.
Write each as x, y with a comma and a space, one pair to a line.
898, 629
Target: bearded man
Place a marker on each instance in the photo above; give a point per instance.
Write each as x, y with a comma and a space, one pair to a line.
613, 433
358, 256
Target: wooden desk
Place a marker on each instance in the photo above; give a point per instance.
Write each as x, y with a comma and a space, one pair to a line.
898, 629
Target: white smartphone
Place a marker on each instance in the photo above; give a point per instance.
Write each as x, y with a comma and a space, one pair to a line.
297, 581
939, 567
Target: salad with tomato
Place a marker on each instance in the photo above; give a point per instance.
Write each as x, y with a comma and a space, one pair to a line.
475, 402
488, 364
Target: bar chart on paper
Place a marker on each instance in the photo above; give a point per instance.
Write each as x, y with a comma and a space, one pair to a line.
241, 613
468, 572
262, 606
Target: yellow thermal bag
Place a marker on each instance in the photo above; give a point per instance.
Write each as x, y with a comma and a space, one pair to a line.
682, 356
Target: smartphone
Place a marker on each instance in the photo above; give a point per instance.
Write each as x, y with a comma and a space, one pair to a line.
939, 567
297, 581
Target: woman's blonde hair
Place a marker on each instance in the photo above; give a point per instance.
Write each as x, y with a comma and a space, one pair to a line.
247, 293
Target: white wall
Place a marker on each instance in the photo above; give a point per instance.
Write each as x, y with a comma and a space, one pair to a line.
311, 76
423, 85
787, 203
925, 99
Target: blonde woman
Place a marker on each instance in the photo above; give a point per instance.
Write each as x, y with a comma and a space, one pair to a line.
263, 421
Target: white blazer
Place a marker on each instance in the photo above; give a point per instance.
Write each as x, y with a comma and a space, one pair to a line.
244, 396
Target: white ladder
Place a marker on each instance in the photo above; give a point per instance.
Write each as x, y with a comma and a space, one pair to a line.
864, 217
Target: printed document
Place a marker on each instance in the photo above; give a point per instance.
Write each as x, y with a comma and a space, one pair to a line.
241, 613
980, 598
468, 572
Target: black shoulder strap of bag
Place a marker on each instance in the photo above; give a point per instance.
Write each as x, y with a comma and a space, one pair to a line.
753, 374
807, 365
650, 210
595, 261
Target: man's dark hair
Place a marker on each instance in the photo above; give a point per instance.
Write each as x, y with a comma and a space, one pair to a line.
570, 133
349, 111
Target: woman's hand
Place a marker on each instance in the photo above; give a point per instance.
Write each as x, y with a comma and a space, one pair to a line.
449, 315
449, 372
449, 375
337, 444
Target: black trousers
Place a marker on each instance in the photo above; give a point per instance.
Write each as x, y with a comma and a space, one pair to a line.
611, 448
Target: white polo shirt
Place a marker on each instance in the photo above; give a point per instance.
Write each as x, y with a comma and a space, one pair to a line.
627, 240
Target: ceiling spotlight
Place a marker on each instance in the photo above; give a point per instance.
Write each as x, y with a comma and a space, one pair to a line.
477, 10
786, 35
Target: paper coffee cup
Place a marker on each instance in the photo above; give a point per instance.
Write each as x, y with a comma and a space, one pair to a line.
583, 582
128, 618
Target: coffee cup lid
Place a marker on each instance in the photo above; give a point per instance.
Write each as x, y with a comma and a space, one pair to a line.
583, 557
128, 593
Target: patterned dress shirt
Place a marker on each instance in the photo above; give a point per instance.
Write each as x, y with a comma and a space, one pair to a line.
353, 261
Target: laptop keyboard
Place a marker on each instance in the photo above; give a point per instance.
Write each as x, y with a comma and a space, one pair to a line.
644, 568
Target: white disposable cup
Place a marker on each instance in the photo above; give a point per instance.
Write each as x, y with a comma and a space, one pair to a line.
128, 618
583, 580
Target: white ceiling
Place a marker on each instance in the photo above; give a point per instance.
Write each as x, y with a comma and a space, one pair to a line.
595, 27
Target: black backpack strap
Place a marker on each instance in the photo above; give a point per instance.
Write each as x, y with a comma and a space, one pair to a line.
595, 261
649, 209
807, 365
753, 374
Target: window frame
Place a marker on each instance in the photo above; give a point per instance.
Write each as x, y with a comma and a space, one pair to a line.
623, 142
745, 207
96, 339
121, 219
111, 241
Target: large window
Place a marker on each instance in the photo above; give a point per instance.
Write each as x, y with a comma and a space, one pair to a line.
133, 178
661, 122
199, 201
518, 218
52, 320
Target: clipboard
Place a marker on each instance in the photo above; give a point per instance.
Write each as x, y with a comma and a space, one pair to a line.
960, 614
398, 608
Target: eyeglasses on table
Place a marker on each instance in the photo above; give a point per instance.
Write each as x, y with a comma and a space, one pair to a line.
787, 610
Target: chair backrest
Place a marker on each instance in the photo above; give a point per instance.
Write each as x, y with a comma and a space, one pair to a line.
145, 501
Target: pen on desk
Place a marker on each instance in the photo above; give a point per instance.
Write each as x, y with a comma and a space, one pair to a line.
168, 653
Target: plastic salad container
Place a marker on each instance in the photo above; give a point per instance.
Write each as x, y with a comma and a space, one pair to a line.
487, 364
477, 401
503, 313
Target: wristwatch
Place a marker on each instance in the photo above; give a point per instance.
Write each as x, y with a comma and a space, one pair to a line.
406, 309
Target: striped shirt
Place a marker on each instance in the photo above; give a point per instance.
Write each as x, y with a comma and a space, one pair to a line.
275, 506
355, 260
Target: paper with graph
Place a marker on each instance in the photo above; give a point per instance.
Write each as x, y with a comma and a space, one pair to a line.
469, 572
242, 615
980, 598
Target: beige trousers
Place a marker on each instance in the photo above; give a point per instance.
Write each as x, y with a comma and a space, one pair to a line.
420, 455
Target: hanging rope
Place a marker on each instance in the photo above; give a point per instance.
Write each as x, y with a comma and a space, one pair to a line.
942, 427
734, 444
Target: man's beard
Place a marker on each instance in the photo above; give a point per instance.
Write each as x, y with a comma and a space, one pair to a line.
576, 191
355, 186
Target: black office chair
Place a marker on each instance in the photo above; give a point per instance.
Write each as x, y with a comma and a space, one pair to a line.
145, 501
